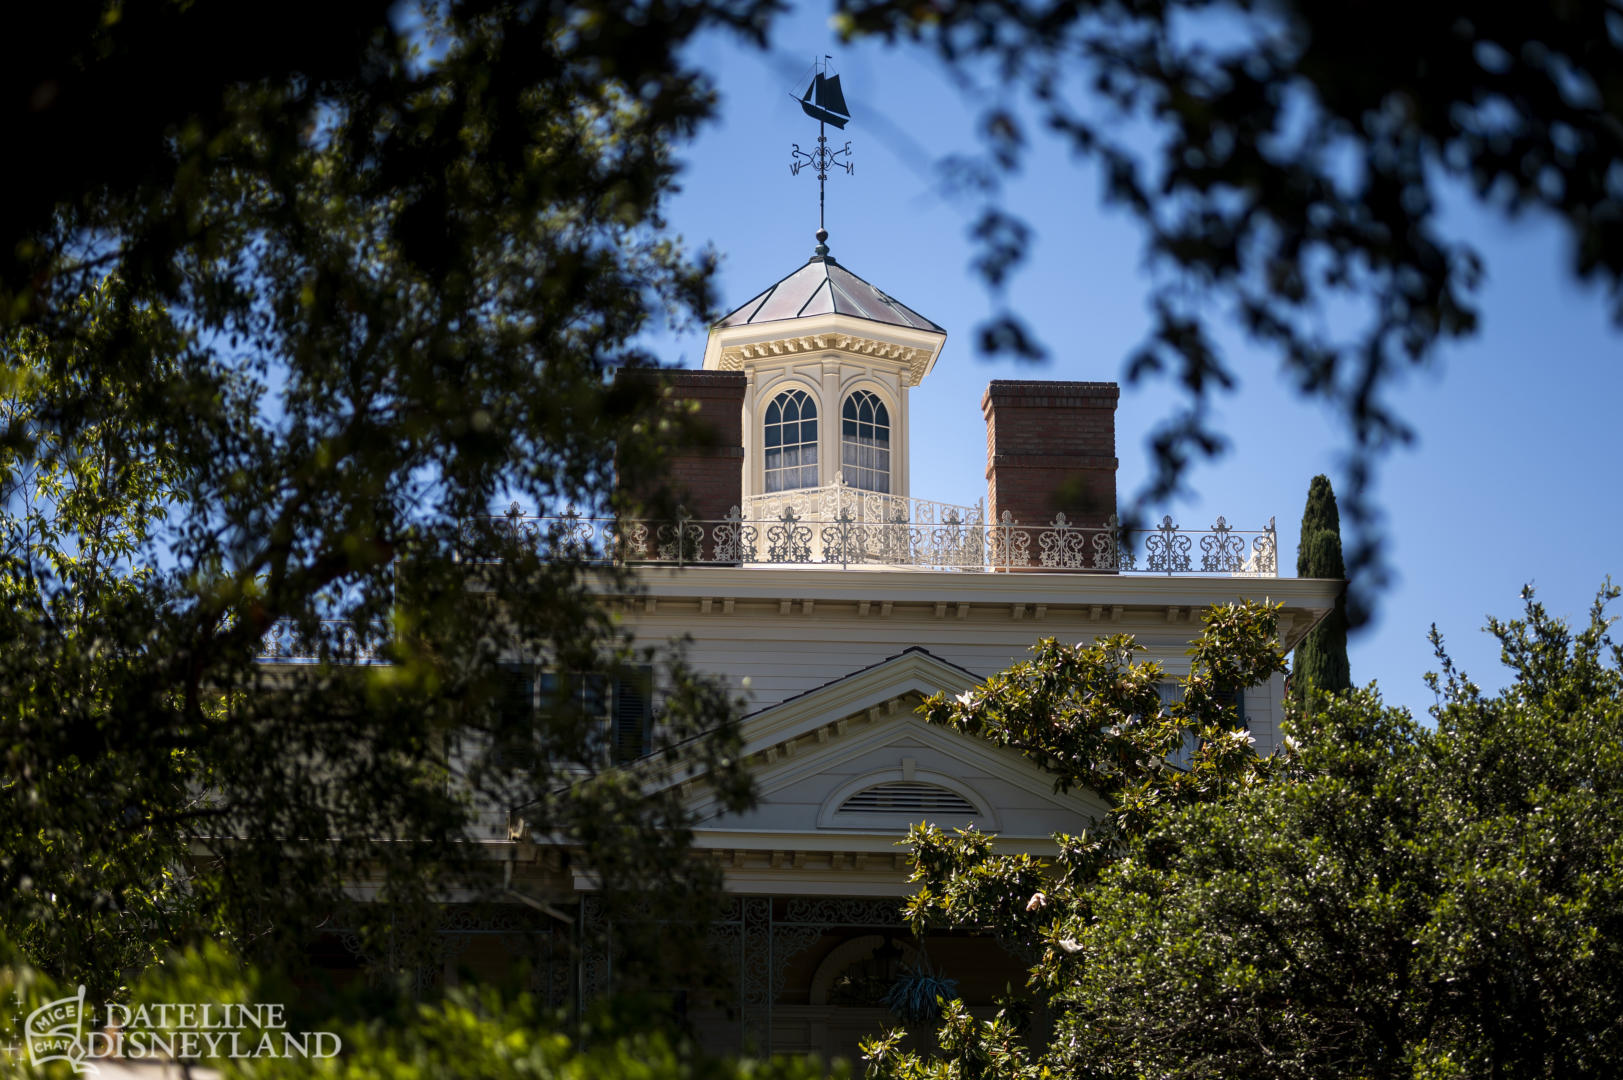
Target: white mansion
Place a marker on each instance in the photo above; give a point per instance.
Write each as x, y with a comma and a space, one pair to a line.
810, 579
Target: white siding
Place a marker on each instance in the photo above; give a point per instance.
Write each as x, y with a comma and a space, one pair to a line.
769, 657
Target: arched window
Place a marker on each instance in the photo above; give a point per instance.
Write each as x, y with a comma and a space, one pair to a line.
791, 442
865, 442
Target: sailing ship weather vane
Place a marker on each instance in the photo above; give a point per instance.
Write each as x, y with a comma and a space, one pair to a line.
824, 103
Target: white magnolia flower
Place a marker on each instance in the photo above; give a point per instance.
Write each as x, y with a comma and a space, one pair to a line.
966, 699
1070, 944
1038, 900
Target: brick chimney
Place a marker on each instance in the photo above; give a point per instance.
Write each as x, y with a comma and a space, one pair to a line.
1051, 449
707, 474
705, 470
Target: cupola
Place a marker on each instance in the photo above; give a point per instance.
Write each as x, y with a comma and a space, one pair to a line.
828, 359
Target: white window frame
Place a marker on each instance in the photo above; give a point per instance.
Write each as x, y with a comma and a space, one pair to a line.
804, 472
860, 461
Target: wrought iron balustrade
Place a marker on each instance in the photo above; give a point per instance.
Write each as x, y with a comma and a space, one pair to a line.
337, 641
791, 538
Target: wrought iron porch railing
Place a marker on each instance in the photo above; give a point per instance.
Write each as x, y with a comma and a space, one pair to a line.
949, 543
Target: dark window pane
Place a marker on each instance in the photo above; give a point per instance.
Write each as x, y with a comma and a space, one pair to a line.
516, 695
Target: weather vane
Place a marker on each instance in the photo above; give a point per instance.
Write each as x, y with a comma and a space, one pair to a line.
824, 103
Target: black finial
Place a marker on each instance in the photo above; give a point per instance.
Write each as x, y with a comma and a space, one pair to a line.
824, 102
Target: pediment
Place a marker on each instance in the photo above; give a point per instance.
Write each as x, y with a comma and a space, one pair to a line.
849, 766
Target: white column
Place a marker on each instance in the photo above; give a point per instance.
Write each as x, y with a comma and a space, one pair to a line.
828, 431
899, 457
752, 441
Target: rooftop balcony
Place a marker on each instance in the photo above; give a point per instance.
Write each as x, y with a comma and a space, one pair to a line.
835, 528
839, 527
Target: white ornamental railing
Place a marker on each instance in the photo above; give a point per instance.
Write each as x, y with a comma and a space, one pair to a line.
839, 502
791, 538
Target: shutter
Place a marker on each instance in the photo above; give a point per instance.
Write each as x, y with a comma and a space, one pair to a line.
633, 712
515, 706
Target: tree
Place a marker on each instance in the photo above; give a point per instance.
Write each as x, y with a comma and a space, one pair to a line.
305, 315
1321, 658
1386, 899
1284, 162
82, 512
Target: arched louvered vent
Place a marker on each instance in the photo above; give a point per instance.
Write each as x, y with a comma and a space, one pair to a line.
907, 797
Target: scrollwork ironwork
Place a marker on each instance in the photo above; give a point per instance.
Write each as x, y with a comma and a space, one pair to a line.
787, 942
840, 526
788, 541
1166, 550
860, 528
1221, 550
725, 539
1062, 545
1107, 549
840, 911
337, 641
844, 542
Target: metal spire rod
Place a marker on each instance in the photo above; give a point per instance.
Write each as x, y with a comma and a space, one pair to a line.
822, 170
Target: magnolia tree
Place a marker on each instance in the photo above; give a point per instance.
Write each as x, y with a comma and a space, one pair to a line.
1382, 898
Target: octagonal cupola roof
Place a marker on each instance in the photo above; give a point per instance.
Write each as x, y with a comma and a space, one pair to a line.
824, 287
823, 307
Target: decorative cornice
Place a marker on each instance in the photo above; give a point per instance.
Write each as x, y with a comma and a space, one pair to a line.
916, 360
1098, 598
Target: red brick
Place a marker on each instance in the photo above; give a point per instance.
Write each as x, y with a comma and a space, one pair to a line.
1051, 449
706, 470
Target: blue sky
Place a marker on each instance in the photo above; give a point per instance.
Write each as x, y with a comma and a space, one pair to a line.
1513, 480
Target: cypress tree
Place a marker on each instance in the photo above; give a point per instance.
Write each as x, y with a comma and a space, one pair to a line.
1321, 657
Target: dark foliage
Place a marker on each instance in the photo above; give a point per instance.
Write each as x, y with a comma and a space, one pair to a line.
1321, 658
1286, 163
289, 296
1381, 899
